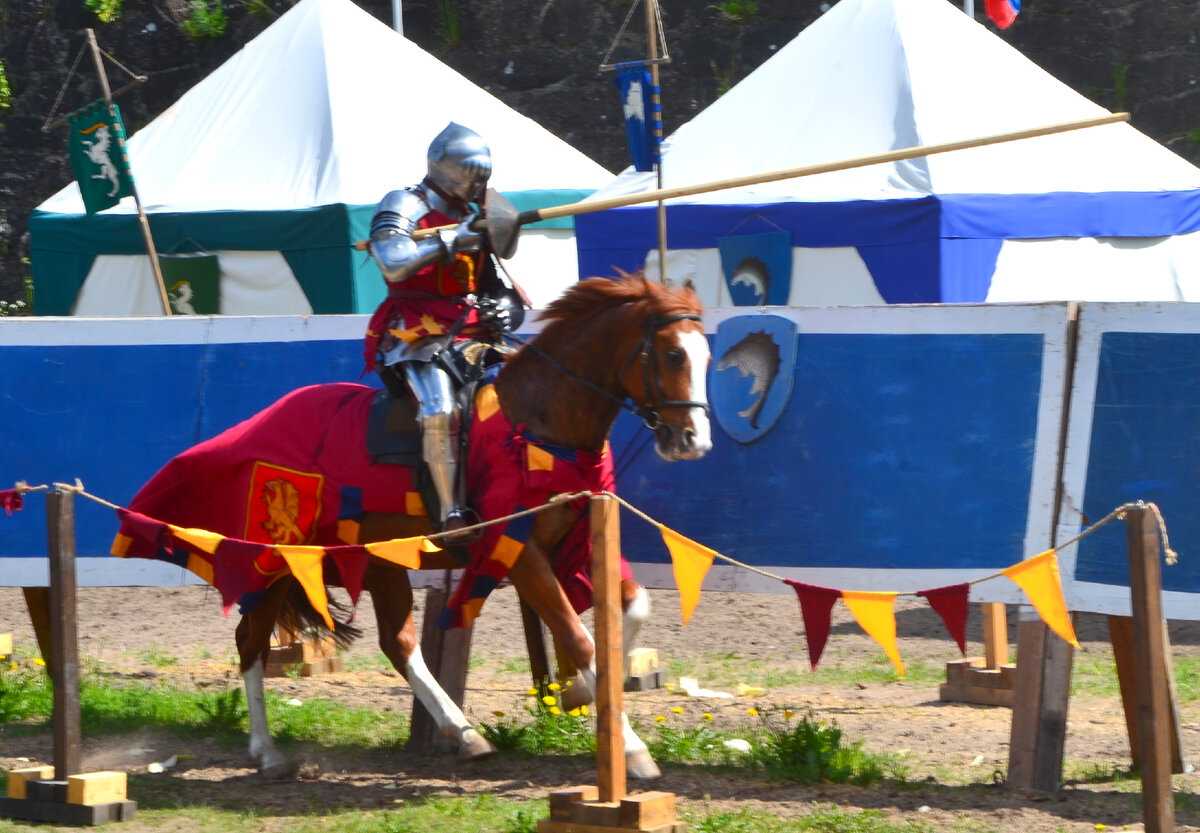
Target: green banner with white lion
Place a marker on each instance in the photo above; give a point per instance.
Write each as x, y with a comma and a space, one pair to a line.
98, 160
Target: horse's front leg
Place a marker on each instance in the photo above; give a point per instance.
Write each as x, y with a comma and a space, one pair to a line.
253, 636
391, 593
534, 579
635, 612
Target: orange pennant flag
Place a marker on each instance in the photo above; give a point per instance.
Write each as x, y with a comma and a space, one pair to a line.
305, 564
201, 539
1039, 578
403, 551
876, 614
691, 562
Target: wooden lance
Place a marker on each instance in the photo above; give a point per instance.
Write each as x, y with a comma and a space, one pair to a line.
503, 225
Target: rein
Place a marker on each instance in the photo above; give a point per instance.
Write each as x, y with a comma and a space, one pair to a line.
648, 411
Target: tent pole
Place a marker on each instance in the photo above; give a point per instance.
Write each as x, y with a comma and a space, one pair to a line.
968, 7
142, 219
397, 16
656, 102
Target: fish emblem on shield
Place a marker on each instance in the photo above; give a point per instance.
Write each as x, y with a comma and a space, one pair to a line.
757, 267
753, 371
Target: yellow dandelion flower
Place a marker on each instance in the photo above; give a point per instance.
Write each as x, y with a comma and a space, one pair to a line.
1099, 826
707, 717
574, 712
498, 713
570, 683
13, 667
39, 661
788, 714
677, 710
549, 700
555, 710
554, 687
583, 710
753, 712
532, 692
660, 719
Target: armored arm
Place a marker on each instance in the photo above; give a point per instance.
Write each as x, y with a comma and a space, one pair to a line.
399, 256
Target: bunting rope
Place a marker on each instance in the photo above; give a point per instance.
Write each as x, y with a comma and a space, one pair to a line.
1037, 576
1169, 554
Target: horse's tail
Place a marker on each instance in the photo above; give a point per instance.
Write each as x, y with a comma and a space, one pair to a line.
299, 616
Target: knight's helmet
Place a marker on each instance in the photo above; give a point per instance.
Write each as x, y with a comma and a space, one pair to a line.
460, 162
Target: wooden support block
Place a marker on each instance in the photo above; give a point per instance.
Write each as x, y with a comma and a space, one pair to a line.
971, 681
6, 645
55, 812
596, 813
46, 790
646, 810
562, 801
550, 826
642, 661
18, 778
96, 788
645, 682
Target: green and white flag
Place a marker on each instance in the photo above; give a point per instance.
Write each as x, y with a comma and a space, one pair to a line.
98, 160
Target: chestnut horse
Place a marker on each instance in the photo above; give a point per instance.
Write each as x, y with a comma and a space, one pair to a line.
603, 342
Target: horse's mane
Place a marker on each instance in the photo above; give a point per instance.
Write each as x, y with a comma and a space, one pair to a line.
590, 297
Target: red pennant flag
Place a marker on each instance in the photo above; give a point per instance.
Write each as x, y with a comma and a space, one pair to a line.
144, 527
235, 571
11, 500
951, 604
351, 563
816, 606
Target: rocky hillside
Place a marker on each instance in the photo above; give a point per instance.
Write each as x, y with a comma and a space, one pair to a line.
541, 57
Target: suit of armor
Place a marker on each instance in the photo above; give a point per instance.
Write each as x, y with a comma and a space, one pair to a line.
428, 282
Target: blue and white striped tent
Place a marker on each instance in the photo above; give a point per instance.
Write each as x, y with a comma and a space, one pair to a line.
1104, 213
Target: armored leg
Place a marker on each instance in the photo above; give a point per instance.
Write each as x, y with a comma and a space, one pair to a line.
439, 441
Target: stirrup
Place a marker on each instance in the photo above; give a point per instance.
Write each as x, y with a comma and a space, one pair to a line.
455, 522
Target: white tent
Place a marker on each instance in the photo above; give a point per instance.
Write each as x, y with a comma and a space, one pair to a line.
1103, 213
275, 162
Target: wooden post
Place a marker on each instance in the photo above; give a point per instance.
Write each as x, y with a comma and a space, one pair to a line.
1120, 631
446, 653
1040, 698
143, 221
64, 658
535, 645
995, 634
1150, 664
606, 582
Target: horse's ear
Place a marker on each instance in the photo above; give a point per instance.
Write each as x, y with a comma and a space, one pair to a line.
690, 286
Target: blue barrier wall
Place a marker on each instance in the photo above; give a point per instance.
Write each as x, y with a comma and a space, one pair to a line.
1135, 436
917, 446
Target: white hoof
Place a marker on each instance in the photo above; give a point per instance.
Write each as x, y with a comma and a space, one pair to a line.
641, 766
473, 746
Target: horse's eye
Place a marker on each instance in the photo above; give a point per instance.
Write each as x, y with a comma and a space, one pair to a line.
676, 357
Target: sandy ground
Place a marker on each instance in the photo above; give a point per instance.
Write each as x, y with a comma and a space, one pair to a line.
956, 754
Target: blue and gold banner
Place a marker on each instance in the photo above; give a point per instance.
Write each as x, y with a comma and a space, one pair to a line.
642, 116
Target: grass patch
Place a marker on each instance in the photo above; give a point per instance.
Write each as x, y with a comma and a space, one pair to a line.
542, 727
826, 819
26, 696
725, 670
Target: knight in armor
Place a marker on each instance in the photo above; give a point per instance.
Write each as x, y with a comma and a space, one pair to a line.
442, 287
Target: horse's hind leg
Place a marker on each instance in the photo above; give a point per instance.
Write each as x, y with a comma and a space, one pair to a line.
391, 593
254, 643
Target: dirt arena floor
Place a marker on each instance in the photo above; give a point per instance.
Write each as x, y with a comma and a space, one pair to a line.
956, 755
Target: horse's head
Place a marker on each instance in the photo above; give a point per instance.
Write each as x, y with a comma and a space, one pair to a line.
666, 371
628, 343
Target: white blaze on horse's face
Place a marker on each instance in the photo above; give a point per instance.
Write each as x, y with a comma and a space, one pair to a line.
692, 438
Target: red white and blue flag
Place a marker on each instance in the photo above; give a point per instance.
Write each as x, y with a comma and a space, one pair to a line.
1002, 12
